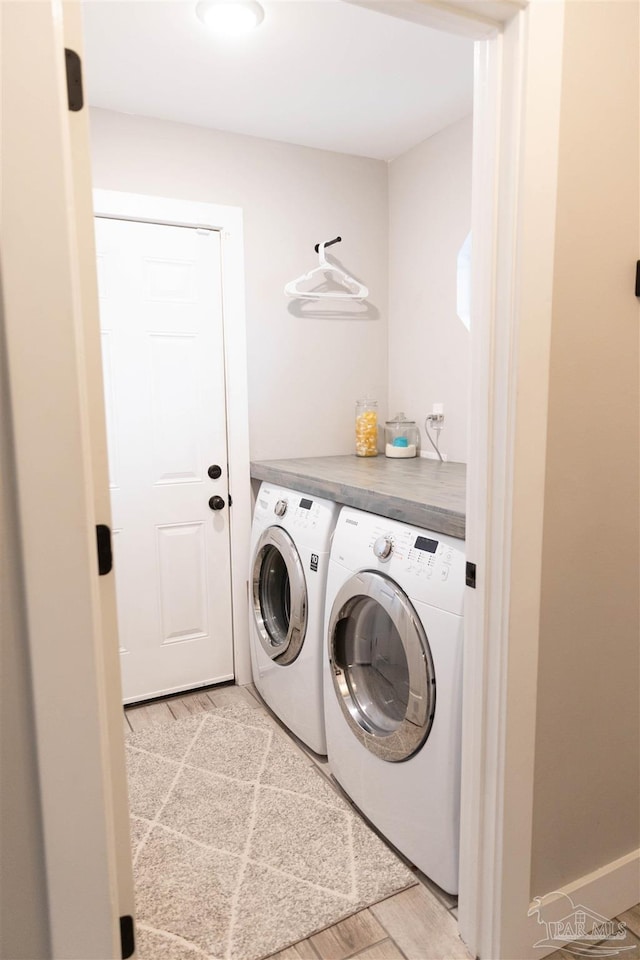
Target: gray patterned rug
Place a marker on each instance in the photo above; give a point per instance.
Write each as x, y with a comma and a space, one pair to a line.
240, 845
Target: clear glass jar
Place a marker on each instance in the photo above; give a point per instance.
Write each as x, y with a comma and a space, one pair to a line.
401, 437
366, 428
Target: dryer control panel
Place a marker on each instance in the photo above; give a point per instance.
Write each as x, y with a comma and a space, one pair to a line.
295, 511
307, 513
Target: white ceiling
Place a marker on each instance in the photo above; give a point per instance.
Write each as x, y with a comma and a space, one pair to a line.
321, 73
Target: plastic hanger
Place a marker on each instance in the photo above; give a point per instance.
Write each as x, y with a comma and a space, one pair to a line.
355, 291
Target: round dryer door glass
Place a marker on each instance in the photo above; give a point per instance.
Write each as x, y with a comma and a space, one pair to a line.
279, 596
381, 667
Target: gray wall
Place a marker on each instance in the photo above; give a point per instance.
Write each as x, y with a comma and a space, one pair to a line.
292, 197
429, 218
586, 802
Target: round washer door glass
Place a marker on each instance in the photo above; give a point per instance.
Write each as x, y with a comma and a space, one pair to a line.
381, 666
279, 594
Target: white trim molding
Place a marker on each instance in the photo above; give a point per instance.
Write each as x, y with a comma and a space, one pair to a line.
63, 639
608, 891
228, 221
92, 390
518, 86
477, 19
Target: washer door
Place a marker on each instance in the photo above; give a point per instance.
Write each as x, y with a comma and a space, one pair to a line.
279, 596
381, 666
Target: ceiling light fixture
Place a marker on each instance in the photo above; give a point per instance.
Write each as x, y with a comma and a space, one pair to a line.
230, 18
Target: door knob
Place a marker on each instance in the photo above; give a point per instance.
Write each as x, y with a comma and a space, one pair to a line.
216, 503
214, 471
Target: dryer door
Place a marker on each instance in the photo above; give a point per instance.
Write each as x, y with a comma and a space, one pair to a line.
381, 666
279, 596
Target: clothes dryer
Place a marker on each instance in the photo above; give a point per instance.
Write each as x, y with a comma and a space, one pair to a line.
392, 683
290, 543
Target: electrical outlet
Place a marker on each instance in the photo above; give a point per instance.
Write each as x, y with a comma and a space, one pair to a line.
435, 420
437, 414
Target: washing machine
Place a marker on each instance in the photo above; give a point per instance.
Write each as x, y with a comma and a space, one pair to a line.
290, 544
392, 683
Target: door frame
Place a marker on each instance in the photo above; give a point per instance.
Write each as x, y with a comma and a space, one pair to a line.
86, 860
516, 145
518, 74
227, 221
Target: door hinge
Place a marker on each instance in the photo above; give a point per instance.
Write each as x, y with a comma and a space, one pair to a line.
127, 937
470, 575
230, 501
73, 64
105, 554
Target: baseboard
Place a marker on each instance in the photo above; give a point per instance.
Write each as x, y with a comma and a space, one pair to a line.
605, 893
432, 455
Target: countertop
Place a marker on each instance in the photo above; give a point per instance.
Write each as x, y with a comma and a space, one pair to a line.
426, 493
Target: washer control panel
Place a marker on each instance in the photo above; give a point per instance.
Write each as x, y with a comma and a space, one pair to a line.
429, 566
420, 553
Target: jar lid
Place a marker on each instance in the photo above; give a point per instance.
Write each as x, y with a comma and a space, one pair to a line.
399, 418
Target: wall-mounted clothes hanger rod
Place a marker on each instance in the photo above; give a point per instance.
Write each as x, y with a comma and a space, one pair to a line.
299, 288
329, 243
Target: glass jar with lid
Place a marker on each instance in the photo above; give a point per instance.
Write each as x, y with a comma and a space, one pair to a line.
366, 428
401, 437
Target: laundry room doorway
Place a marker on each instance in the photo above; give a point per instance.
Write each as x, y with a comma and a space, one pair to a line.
162, 320
51, 334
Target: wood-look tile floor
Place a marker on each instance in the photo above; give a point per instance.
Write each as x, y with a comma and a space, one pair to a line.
417, 924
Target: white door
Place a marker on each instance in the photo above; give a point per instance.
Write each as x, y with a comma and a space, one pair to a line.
163, 358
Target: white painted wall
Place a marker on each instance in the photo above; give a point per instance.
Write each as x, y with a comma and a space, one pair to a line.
292, 197
429, 218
